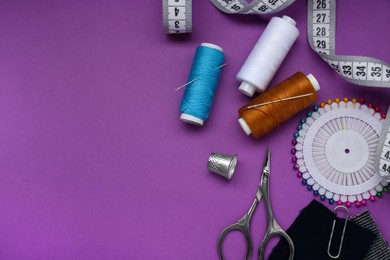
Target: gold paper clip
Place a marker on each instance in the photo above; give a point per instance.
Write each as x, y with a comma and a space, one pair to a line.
342, 235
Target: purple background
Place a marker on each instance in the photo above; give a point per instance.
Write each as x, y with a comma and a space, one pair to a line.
95, 163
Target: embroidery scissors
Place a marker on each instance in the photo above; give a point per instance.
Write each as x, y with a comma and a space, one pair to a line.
243, 224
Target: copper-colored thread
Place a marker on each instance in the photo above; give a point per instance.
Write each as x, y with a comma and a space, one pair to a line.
263, 119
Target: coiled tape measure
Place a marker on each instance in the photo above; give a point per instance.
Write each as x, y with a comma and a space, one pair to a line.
359, 70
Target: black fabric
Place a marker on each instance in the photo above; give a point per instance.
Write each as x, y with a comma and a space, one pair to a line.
311, 231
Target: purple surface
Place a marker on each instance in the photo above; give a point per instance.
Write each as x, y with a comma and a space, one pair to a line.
95, 163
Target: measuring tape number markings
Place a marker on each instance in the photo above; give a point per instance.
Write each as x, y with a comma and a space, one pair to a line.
256, 7
360, 70
177, 16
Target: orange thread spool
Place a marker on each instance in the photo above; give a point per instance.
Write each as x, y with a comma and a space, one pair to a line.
273, 107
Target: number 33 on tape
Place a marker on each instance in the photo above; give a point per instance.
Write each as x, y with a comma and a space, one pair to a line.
365, 71
177, 16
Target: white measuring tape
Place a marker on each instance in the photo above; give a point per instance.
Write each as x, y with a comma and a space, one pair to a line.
177, 16
383, 150
256, 7
360, 70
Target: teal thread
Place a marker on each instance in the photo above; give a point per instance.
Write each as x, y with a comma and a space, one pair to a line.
198, 96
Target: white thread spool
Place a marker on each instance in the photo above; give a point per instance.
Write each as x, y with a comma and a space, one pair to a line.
267, 55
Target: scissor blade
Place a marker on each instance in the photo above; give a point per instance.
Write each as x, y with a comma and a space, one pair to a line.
264, 175
267, 162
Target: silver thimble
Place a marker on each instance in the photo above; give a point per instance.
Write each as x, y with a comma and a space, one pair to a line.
222, 164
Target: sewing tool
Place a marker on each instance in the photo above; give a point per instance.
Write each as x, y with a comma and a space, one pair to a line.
278, 104
267, 55
222, 164
342, 234
255, 7
243, 224
199, 94
177, 16
382, 159
359, 70
334, 151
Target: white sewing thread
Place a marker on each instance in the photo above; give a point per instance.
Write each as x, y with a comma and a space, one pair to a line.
267, 55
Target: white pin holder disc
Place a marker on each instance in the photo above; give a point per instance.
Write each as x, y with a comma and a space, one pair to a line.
335, 149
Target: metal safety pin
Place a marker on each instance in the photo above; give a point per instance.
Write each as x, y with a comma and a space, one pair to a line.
195, 79
342, 235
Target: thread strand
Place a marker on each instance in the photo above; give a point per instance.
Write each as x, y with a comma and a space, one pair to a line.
270, 109
202, 83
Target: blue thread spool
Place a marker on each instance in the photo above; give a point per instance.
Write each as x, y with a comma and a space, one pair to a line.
205, 72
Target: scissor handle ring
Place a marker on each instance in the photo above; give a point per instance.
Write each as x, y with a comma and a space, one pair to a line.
244, 230
280, 233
